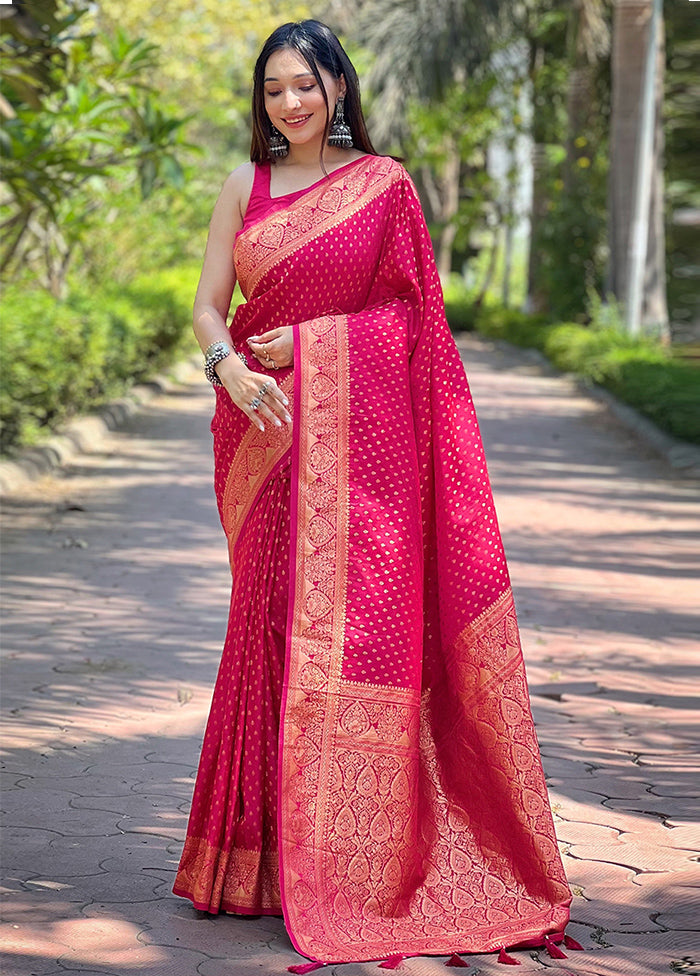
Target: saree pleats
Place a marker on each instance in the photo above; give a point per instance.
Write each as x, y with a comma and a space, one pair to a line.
412, 812
230, 862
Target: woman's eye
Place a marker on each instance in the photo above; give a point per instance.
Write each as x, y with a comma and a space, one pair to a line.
309, 88
272, 93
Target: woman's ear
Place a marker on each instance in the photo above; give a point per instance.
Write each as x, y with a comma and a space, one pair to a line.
342, 87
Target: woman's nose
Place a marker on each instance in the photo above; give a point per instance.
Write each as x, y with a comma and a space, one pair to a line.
291, 100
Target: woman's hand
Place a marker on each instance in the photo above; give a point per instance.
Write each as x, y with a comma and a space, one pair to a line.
274, 349
259, 397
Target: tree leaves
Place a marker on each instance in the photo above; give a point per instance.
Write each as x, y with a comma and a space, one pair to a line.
90, 113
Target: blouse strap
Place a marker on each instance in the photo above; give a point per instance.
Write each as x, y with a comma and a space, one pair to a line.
261, 182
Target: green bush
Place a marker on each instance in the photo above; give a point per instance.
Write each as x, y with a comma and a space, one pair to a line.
513, 326
641, 372
459, 305
64, 357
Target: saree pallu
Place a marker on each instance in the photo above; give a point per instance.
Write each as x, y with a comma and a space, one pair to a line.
411, 809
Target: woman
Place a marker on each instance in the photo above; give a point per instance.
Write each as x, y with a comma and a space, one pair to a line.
370, 768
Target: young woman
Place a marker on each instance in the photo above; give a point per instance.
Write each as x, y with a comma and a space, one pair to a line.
370, 768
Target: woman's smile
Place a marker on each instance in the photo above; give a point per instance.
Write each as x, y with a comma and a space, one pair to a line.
294, 99
297, 120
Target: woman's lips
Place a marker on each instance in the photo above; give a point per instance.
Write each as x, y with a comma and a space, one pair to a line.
296, 123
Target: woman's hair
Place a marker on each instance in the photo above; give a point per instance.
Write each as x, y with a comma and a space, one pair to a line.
320, 48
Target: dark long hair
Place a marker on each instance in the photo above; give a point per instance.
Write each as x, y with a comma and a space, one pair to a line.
320, 48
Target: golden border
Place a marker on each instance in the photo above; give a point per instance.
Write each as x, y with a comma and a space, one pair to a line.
255, 459
321, 209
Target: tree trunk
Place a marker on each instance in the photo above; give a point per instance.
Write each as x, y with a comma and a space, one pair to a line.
450, 207
490, 271
537, 299
630, 32
579, 104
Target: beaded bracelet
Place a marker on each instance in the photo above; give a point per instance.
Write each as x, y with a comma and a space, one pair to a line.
214, 354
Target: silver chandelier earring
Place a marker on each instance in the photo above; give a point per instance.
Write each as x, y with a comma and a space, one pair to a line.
279, 147
340, 135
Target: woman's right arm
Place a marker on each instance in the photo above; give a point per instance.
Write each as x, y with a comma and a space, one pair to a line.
213, 299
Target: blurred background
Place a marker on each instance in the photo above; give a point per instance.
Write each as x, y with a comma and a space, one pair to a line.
553, 143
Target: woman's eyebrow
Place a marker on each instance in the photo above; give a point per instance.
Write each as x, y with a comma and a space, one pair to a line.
304, 74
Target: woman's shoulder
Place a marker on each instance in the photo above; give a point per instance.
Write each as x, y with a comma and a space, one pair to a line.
238, 186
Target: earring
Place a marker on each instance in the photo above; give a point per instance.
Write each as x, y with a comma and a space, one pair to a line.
340, 135
278, 146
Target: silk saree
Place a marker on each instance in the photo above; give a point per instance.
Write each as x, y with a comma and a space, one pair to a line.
370, 768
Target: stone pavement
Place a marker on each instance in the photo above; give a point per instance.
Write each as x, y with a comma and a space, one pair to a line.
115, 600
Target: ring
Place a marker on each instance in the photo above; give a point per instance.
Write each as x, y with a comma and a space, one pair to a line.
263, 390
255, 403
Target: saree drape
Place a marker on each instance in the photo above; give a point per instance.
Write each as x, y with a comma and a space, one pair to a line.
373, 651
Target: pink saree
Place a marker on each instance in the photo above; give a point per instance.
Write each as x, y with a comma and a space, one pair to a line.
370, 767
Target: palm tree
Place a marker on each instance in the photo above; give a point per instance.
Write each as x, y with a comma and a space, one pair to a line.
421, 49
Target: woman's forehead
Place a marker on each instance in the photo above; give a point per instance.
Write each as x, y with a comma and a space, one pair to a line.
286, 63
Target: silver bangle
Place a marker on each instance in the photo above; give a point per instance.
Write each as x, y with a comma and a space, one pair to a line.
215, 353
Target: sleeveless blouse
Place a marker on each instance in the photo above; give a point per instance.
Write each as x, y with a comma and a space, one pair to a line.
261, 204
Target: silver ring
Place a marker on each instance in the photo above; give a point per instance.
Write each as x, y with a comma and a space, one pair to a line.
263, 390
255, 403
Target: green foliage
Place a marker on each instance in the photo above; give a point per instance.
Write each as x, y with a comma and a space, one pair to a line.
571, 239
459, 305
63, 357
84, 114
438, 151
640, 372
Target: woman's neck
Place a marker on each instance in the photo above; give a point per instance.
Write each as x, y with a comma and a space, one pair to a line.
307, 157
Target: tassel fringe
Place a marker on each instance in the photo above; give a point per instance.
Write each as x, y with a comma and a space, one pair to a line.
457, 962
393, 962
506, 959
553, 949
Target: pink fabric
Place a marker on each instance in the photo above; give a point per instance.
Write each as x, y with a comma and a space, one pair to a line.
261, 204
412, 811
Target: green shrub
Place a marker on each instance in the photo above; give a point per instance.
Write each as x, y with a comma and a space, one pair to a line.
513, 326
641, 372
65, 357
665, 390
459, 305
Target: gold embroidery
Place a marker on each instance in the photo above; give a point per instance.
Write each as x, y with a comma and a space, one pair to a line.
237, 881
274, 238
256, 456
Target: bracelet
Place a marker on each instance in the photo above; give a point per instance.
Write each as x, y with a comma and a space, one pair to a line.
214, 354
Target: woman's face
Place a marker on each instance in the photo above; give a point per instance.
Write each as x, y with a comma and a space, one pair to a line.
293, 99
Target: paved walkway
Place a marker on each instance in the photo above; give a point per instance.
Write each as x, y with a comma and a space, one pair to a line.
115, 596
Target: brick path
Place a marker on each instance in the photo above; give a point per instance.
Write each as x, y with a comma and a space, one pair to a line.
115, 597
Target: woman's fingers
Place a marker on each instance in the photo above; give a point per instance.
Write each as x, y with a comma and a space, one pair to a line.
270, 403
267, 336
260, 399
273, 349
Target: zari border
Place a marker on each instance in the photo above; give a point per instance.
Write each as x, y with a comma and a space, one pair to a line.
259, 452
243, 882
318, 211
321, 717
315, 633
